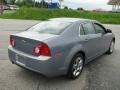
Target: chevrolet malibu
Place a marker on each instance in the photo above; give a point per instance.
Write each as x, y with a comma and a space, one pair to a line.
60, 46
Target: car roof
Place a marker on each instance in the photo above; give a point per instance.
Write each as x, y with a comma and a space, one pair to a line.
71, 19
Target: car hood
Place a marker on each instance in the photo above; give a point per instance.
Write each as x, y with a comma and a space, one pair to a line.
35, 35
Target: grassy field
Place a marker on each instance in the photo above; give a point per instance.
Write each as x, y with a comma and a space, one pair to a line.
43, 14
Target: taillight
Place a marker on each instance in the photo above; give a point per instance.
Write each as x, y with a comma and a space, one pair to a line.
12, 41
42, 49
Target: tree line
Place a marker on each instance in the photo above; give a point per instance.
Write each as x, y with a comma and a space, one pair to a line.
26, 3
31, 3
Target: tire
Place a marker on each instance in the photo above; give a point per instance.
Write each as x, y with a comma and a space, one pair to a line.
111, 47
76, 66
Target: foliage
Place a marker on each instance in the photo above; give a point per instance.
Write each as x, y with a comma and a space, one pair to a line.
65, 7
3, 2
27, 3
31, 3
41, 4
12, 2
43, 14
80, 9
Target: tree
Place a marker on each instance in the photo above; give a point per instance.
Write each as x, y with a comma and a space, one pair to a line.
30, 3
65, 7
2, 2
41, 4
81, 9
11, 2
44, 4
27, 3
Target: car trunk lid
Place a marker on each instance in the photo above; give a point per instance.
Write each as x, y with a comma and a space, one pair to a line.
26, 41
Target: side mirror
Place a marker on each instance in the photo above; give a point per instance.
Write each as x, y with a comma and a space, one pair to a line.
108, 31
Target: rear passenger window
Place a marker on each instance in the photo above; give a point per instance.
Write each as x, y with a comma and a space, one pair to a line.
88, 28
81, 31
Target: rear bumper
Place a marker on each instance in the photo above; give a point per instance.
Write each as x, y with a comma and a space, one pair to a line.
44, 65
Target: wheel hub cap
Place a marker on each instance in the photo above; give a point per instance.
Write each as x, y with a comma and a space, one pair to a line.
77, 66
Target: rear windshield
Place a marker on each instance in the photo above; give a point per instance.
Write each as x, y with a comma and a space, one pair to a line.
50, 27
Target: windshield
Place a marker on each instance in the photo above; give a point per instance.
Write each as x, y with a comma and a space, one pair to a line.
50, 27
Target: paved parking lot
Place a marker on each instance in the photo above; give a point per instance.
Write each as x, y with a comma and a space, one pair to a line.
101, 74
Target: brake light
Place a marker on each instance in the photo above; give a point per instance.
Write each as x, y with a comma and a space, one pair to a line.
12, 41
42, 49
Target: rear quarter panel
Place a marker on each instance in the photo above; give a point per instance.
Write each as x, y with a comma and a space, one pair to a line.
67, 45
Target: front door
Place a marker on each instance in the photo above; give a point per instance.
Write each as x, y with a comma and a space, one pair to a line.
90, 40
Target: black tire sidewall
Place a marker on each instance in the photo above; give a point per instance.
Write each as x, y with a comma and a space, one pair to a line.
109, 51
70, 72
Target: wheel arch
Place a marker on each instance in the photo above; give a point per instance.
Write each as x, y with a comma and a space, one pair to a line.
78, 52
83, 54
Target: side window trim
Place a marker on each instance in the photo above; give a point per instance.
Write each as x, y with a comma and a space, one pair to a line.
80, 29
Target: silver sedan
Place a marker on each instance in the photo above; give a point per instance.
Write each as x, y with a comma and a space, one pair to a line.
60, 46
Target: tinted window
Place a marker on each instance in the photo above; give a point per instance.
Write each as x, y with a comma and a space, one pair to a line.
99, 28
50, 27
81, 31
88, 28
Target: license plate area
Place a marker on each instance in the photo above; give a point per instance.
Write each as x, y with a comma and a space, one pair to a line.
20, 60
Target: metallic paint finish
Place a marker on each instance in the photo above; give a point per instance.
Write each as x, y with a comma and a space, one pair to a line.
68, 43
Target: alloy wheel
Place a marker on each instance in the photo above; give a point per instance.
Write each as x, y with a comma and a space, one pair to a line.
77, 66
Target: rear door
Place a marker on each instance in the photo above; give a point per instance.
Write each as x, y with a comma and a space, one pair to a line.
90, 40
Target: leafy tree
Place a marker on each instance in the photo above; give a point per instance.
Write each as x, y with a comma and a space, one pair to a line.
11, 1
43, 4
27, 3
3, 2
80, 9
65, 7
30, 3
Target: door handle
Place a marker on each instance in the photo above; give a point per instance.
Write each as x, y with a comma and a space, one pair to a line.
86, 39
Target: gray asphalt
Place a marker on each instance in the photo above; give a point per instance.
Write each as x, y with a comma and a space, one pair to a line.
101, 74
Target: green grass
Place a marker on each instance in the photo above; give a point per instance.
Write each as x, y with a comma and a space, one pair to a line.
43, 14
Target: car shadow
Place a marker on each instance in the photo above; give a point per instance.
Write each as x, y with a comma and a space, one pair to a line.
60, 82
100, 72
91, 72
